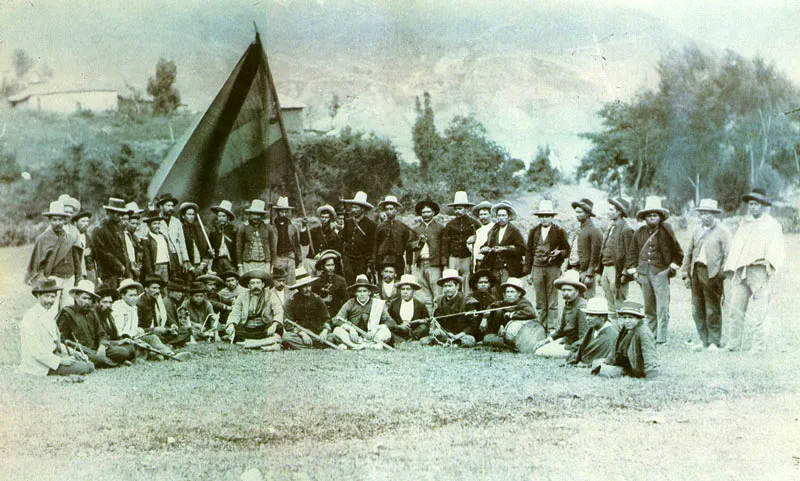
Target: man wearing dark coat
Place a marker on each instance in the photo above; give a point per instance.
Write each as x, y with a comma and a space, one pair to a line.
635, 352
457, 326
394, 241
307, 310
427, 260
331, 287
613, 252
154, 317
358, 238
159, 257
586, 244
505, 246
409, 315
504, 327
110, 253
323, 237
600, 339
455, 252
223, 238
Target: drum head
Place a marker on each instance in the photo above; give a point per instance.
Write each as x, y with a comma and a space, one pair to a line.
528, 336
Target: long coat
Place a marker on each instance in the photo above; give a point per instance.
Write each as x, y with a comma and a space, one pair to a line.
109, 251
50, 250
509, 259
420, 314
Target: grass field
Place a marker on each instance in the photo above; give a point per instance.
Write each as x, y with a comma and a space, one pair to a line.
418, 413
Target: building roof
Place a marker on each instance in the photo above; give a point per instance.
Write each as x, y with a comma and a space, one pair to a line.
53, 88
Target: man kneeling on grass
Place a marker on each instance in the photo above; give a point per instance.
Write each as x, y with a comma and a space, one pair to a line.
567, 338
635, 352
451, 323
600, 339
363, 313
41, 351
307, 310
515, 327
252, 317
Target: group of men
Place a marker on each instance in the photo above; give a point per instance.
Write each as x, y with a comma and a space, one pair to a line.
166, 280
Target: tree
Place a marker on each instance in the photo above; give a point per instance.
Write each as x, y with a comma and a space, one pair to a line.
22, 63
333, 108
540, 171
427, 141
166, 98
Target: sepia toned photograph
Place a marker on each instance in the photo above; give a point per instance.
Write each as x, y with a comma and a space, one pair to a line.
373, 240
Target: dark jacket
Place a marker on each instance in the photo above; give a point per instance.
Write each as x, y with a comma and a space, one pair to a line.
433, 235
635, 351
511, 258
83, 328
418, 330
556, 240
310, 312
454, 324
664, 240
333, 285
294, 240
244, 239
590, 241
573, 324
226, 234
359, 238
618, 244
322, 238
598, 348
393, 243
523, 311
149, 248
109, 250
455, 235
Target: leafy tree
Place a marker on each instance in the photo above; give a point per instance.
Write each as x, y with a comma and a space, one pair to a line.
427, 141
166, 98
540, 172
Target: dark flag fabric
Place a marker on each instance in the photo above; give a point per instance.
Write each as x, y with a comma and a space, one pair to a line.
237, 148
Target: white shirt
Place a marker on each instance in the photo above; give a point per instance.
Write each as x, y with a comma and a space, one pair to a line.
545, 231
481, 236
129, 248
501, 232
38, 340
162, 250
161, 312
126, 318
388, 288
406, 310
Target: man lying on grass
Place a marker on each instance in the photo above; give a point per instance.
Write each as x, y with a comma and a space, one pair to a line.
515, 327
600, 339
635, 352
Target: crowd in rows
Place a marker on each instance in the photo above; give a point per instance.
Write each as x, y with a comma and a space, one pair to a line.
144, 284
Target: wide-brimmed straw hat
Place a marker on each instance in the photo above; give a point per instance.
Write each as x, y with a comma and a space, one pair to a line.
84, 286
622, 205
153, 216
390, 200
758, 195
225, 206
44, 286
323, 256
80, 215
133, 209
116, 205
586, 204
408, 280
329, 209
70, 201
244, 279
570, 278
504, 204
653, 204
359, 199
545, 209
257, 206
302, 278
127, 284
460, 199
514, 282
708, 205
484, 204
282, 204
57, 210
596, 306
362, 281
428, 202
450, 275
473, 279
632, 308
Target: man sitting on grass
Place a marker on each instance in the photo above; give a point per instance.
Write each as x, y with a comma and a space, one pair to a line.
635, 352
363, 313
123, 350
601, 337
306, 309
200, 312
567, 338
41, 351
154, 315
515, 327
409, 315
451, 322
252, 317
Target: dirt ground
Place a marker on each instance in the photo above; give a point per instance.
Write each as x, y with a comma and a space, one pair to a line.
418, 413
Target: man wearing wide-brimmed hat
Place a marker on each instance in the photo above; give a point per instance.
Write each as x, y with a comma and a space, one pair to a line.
197, 245
288, 253
504, 246
256, 243
332, 287
80, 222
55, 254
457, 326
616, 241
306, 309
702, 272
515, 327
159, 256
573, 326
122, 350
365, 312
200, 313
252, 316
131, 221
42, 351
428, 261
358, 237
756, 253
324, 237
155, 316
394, 241
654, 256
546, 249
455, 251
483, 212
229, 292
635, 352
223, 237
585, 247
600, 338
110, 252
409, 315
172, 227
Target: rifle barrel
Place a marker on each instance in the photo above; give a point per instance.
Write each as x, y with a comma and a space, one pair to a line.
311, 333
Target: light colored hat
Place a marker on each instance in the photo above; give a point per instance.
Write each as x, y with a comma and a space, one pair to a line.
390, 200
546, 209
133, 209
631, 307
514, 282
128, 283
282, 204
225, 206
586, 204
450, 275
504, 204
359, 199
622, 205
708, 205
484, 204
362, 281
758, 195
596, 306
57, 210
653, 204
460, 199
70, 201
84, 285
302, 278
257, 206
324, 256
115, 205
327, 208
571, 278
408, 280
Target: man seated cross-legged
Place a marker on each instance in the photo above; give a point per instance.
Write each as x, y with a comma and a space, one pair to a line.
363, 320
514, 323
306, 309
252, 316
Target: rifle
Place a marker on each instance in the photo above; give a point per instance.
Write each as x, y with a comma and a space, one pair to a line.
364, 334
316, 337
143, 345
472, 313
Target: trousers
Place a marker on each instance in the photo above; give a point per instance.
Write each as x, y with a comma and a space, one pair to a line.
749, 295
615, 294
706, 305
655, 291
546, 295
